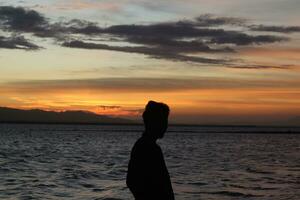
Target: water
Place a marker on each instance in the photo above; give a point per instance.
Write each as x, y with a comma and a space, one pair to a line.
90, 162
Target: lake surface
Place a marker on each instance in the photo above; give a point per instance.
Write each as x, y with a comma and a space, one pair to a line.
90, 162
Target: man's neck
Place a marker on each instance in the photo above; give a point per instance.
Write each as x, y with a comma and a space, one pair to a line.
149, 136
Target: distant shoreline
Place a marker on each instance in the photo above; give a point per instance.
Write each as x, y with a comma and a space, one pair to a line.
36, 116
140, 124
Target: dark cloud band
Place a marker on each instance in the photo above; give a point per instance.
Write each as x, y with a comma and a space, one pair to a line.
158, 52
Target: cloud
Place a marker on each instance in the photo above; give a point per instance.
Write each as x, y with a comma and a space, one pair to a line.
118, 110
241, 39
64, 29
211, 20
157, 32
18, 20
279, 29
171, 40
104, 107
159, 52
21, 20
175, 41
17, 42
179, 46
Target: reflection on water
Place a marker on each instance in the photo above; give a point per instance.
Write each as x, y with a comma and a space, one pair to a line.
90, 162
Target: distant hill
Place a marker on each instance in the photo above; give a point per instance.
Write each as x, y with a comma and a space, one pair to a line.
11, 115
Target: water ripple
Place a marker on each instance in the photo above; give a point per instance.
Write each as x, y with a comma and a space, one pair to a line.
90, 162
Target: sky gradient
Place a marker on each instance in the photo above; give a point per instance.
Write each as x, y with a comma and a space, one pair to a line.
213, 62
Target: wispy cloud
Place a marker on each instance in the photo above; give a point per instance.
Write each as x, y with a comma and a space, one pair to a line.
105, 107
17, 42
117, 110
212, 20
279, 29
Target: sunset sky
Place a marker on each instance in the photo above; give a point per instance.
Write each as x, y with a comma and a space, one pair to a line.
211, 61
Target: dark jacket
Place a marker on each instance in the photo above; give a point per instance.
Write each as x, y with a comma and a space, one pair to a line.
147, 176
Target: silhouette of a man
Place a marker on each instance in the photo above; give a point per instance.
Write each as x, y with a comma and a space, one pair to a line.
147, 176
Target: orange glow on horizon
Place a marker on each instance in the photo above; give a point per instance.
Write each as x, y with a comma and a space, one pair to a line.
202, 102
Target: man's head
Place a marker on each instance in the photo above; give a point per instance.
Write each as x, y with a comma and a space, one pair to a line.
155, 118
